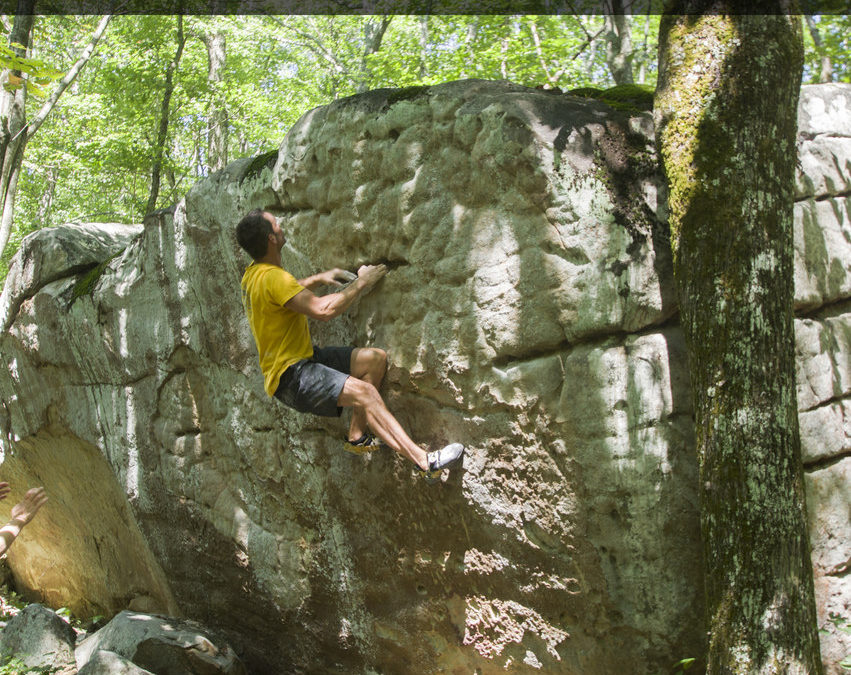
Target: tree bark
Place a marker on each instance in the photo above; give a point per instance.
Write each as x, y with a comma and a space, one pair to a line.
619, 44
217, 115
45, 202
373, 33
13, 125
423, 69
725, 108
15, 131
826, 66
162, 134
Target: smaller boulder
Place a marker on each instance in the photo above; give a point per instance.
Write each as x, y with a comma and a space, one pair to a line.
161, 645
110, 663
39, 638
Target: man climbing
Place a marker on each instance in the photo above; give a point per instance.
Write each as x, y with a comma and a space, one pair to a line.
320, 380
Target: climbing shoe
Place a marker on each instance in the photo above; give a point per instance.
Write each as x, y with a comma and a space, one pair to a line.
430, 477
439, 460
366, 443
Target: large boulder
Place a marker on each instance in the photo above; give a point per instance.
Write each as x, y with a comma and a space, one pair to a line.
529, 313
109, 663
37, 638
157, 644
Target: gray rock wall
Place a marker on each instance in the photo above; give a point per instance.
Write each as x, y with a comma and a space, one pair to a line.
529, 312
823, 336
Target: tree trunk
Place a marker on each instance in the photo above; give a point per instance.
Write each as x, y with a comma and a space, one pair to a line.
423, 69
13, 134
162, 134
470, 44
15, 131
373, 33
619, 44
645, 55
45, 202
217, 116
826, 67
725, 110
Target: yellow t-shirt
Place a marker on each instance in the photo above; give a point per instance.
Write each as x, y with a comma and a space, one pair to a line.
281, 334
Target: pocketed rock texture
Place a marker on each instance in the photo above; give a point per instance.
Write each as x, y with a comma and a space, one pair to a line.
528, 312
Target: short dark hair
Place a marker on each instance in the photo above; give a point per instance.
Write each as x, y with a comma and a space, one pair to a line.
253, 232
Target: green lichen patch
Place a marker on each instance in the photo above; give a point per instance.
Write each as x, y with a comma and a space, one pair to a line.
259, 163
86, 283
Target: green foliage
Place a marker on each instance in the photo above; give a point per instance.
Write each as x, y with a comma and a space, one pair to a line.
10, 603
92, 159
843, 625
34, 73
15, 666
835, 33
840, 623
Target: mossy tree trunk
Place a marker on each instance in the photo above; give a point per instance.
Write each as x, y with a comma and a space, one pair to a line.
726, 127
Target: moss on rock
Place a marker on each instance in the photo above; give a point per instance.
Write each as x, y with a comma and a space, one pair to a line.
259, 163
627, 97
86, 283
406, 94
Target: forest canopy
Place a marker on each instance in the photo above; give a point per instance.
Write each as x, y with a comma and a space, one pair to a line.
165, 100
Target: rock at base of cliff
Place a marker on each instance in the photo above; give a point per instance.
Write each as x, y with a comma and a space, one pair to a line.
161, 644
110, 663
39, 638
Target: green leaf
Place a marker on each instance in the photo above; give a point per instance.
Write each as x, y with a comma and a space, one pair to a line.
684, 664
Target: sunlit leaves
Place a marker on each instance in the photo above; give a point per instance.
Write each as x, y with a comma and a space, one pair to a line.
34, 73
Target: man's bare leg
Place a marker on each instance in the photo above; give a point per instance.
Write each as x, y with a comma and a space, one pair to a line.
364, 395
368, 364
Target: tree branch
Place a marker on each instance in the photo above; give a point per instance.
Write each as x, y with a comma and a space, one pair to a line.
85, 55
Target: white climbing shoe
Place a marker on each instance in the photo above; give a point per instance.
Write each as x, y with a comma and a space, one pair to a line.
439, 460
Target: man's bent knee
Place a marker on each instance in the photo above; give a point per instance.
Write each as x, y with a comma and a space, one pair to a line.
358, 392
368, 360
380, 359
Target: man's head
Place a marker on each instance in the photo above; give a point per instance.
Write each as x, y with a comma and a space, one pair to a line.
254, 231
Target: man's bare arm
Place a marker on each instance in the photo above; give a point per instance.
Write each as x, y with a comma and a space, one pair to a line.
334, 277
22, 513
328, 306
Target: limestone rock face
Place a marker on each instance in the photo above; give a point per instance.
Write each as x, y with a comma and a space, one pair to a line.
529, 313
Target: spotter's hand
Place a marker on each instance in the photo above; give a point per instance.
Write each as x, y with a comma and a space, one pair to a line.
26, 509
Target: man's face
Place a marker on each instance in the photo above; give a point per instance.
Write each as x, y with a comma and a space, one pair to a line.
277, 232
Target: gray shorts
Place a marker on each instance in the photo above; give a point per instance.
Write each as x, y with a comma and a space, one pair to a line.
314, 385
